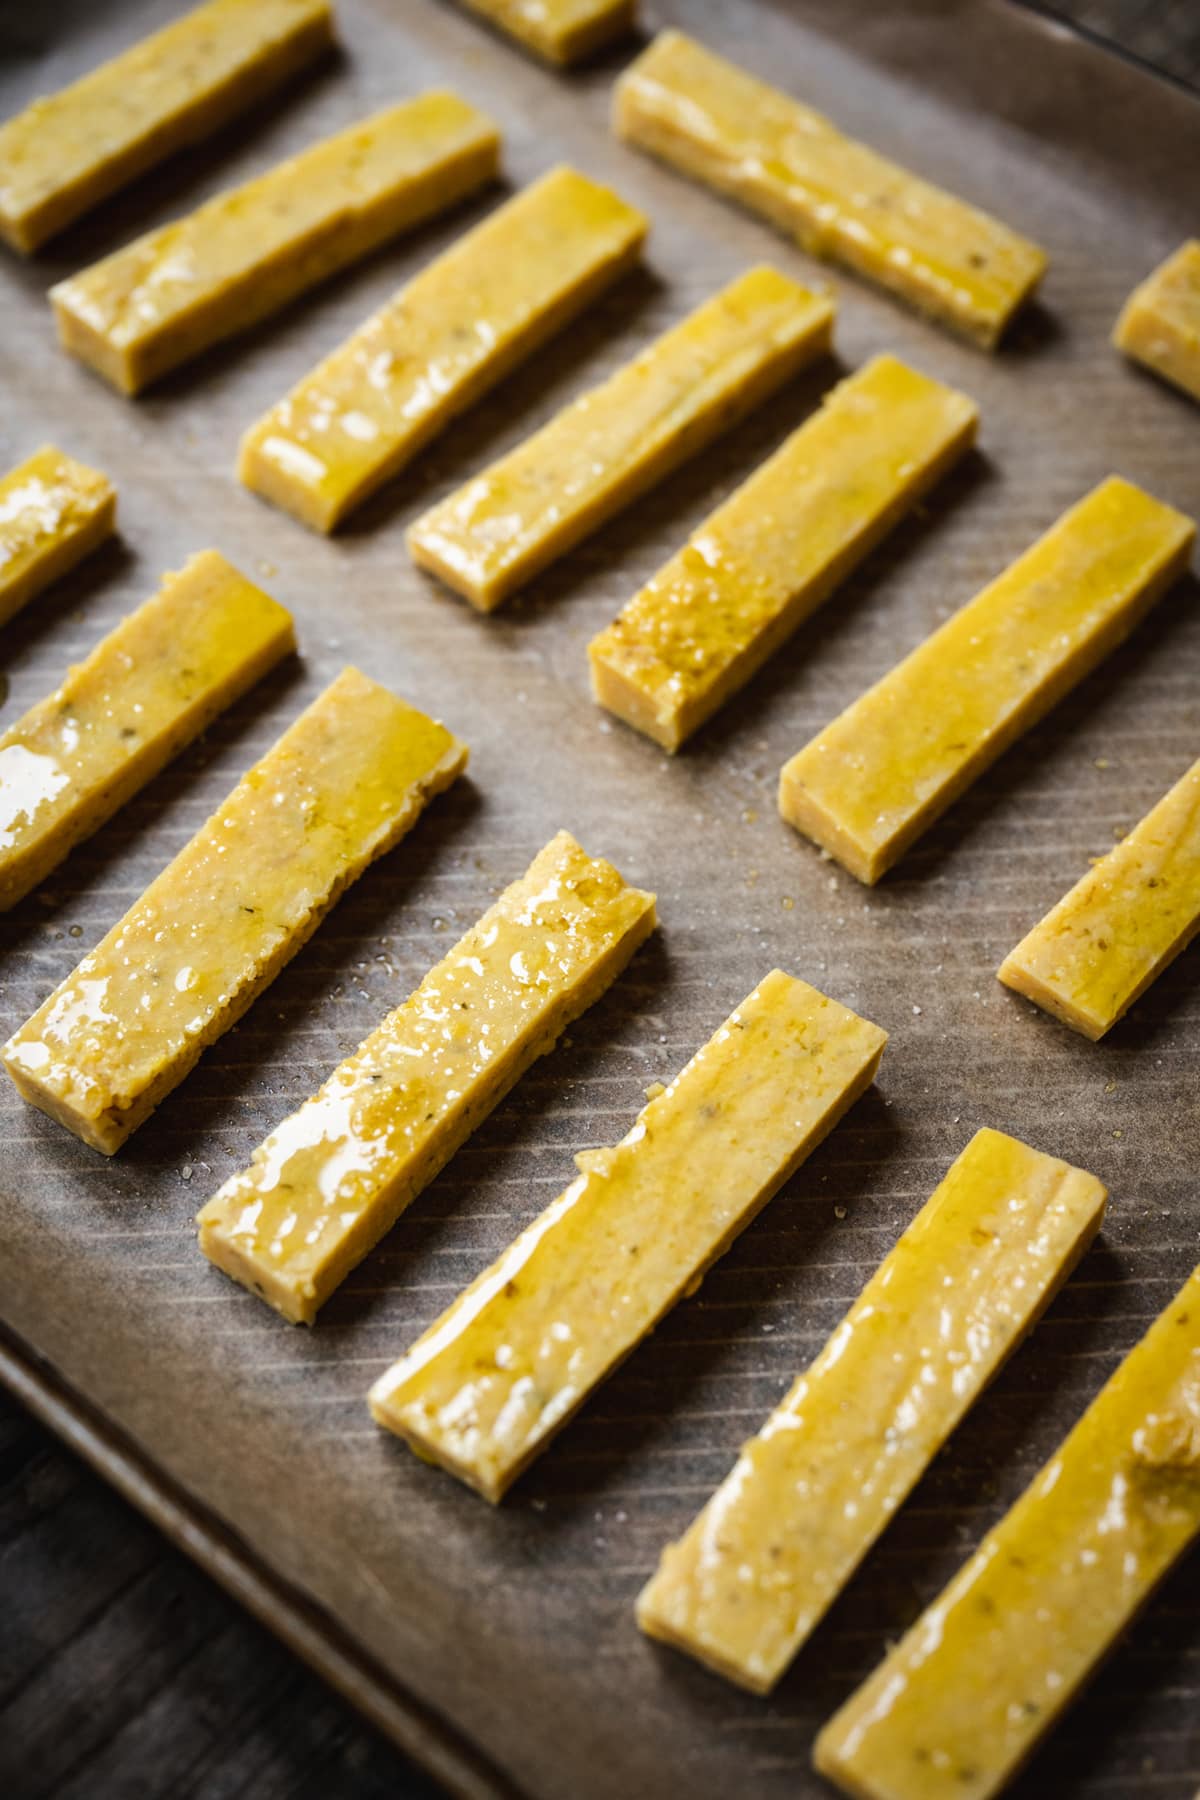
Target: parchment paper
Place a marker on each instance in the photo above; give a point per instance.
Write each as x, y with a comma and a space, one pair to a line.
515, 1626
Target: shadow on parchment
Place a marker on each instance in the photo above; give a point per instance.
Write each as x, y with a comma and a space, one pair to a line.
226, 1086
469, 442
989, 1460
702, 481
70, 594
503, 1138
117, 845
926, 862
1034, 330
199, 373
182, 181
995, 1452
765, 694
644, 1403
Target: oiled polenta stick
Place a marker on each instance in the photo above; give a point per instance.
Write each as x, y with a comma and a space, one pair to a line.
330, 1180
1159, 324
958, 1705
841, 200
1121, 924
460, 325
54, 511
145, 691
68, 151
341, 786
808, 1496
241, 256
612, 444
869, 784
777, 548
488, 1385
559, 31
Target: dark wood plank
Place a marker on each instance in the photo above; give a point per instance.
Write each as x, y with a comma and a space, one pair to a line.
126, 1674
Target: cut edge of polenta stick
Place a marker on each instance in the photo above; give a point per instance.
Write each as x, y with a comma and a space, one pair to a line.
458, 327
54, 511
760, 1565
868, 785
840, 199
513, 1358
342, 785
1159, 325
174, 292
1124, 921
561, 32
158, 679
777, 548
331, 1180
602, 451
69, 150
961, 1702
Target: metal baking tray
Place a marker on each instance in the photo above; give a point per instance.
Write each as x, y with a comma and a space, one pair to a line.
499, 1645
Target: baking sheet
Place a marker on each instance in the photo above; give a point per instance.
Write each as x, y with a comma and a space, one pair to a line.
510, 1632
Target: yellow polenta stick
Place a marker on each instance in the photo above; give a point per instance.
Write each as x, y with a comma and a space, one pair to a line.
244, 254
839, 198
341, 786
777, 548
1160, 323
613, 443
869, 784
808, 1496
331, 1180
559, 31
460, 325
959, 1704
68, 151
505, 1367
1121, 924
145, 691
54, 511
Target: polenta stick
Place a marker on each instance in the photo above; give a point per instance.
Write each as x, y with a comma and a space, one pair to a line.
559, 31
54, 511
808, 1496
244, 254
488, 1385
68, 151
1121, 924
777, 548
332, 1179
460, 325
145, 691
341, 786
1159, 325
869, 784
962, 1700
609, 446
841, 200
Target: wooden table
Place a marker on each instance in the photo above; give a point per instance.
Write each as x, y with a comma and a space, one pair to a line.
126, 1672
